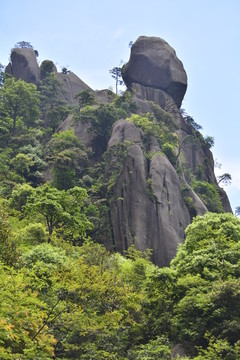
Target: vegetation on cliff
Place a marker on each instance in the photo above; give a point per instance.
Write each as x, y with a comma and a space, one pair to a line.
65, 293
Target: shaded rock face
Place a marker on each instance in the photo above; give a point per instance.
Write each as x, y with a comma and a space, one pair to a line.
153, 63
147, 209
80, 130
24, 65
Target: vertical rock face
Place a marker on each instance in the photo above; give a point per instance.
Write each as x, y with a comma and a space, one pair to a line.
153, 63
147, 208
24, 65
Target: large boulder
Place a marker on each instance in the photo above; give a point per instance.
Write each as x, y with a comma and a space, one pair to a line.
24, 65
154, 63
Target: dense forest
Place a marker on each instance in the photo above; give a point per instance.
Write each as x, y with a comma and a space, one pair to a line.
64, 292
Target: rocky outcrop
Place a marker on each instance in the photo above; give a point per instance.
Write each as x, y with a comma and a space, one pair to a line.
104, 96
147, 208
80, 130
24, 65
153, 63
224, 199
72, 85
150, 198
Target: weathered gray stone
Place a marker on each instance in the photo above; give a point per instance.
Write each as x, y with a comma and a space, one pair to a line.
170, 217
125, 131
104, 96
80, 130
72, 85
153, 63
24, 65
224, 199
147, 209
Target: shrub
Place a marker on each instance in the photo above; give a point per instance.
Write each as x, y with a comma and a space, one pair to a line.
209, 195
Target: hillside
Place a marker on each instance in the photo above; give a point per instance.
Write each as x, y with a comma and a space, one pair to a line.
114, 228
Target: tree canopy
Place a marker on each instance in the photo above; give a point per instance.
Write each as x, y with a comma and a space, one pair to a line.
18, 106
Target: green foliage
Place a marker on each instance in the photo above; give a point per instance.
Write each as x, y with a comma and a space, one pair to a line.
37, 165
8, 249
208, 270
61, 210
115, 155
84, 98
214, 238
83, 301
209, 141
62, 301
19, 196
164, 117
18, 106
53, 108
2, 68
190, 120
68, 159
22, 163
237, 210
209, 195
105, 116
47, 67
101, 119
23, 45
153, 350
33, 234
196, 301
224, 179
219, 349
125, 102
22, 314
116, 73
152, 128
46, 254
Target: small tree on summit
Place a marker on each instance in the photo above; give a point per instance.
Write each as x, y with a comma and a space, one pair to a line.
116, 73
23, 45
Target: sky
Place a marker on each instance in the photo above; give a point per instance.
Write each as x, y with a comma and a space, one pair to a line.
91, 37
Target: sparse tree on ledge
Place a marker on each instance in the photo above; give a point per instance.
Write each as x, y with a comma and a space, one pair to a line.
237, 211
85, 97
225, 179
116, 73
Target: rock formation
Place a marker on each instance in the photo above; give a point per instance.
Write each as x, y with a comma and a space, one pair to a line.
24, 65
72, 85
147, 208
151, 200
154, 64
150, 195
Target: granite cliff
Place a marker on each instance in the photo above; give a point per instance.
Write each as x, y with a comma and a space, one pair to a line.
159, 170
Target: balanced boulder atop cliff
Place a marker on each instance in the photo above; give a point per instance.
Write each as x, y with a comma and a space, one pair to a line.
153, 63
24, 65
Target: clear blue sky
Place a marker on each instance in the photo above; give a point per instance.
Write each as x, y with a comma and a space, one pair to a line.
91, 37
